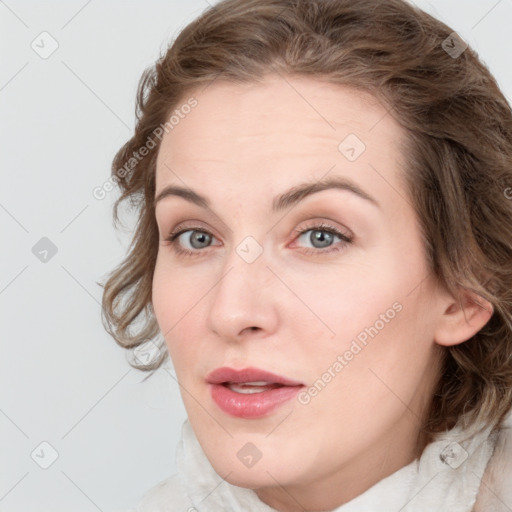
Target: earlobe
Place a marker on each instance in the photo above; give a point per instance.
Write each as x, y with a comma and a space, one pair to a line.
462, 318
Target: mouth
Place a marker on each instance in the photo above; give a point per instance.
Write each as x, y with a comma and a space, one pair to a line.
250, 392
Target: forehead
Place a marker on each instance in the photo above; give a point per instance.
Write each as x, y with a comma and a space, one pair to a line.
271, 131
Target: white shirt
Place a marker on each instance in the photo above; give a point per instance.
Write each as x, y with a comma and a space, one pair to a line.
446, 478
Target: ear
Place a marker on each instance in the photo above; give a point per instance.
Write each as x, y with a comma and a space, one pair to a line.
462, 318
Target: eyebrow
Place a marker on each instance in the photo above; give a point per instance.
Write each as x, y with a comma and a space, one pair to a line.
288, 198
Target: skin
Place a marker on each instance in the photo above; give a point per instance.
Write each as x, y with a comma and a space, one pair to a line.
293, 313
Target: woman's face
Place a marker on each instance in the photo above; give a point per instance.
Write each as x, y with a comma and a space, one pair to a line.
347, 318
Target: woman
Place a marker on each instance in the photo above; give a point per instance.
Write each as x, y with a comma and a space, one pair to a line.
325, 245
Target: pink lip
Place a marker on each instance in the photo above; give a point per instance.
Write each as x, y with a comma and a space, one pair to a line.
253, 405
226, 374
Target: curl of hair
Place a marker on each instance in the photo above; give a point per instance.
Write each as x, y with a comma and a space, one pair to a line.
458, 156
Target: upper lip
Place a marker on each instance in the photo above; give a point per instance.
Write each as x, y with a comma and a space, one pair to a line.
226, 374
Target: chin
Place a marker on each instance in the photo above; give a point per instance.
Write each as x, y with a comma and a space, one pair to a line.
266, 472
250, 480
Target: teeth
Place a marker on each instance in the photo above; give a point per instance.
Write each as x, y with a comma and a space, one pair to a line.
246, 391
251, 387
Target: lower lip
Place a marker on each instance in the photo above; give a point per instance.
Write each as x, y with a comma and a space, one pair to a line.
254, 405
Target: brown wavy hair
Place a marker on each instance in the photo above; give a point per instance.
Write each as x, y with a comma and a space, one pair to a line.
459, 150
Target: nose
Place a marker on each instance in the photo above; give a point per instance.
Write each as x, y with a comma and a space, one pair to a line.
244, 300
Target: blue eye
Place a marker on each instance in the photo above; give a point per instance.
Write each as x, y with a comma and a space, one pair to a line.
197, 236
322, 236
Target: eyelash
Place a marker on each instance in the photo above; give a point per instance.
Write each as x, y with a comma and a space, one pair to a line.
172, 239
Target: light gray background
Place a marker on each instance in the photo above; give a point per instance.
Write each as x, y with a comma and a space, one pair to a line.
63, 380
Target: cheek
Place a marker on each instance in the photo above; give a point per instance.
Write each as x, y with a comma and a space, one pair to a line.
178, 302
162, 296
174, 291
340, 302
169, 299
378, 316
382, 368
